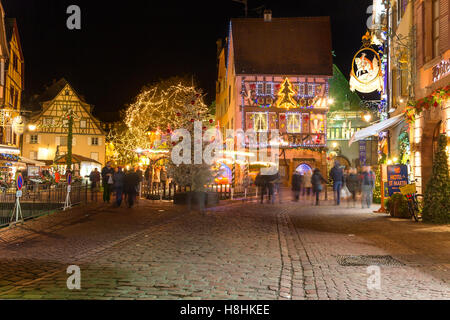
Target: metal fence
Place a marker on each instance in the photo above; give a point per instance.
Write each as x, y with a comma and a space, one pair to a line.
158, 191
38, 200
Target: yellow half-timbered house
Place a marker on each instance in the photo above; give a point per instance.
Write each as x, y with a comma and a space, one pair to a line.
47, 131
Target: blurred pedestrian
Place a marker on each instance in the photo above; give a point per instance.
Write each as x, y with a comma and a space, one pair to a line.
119, 185
107, 181
131, 186
316, 181
95, 178
307, 183
337, 175
367, 180
352, 183
296, 185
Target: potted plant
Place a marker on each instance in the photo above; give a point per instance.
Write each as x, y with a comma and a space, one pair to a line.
397, 206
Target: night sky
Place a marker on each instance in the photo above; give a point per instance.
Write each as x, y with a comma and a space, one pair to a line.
124, 45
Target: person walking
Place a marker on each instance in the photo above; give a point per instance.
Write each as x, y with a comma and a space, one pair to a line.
260, 184
140, 175
337, 175
131, 183
316, 181
367, 186
107, 181
95, 178
352, 183
119, 184
296, 185
307, 183
163, 178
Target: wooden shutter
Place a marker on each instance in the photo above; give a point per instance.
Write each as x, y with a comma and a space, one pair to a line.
28, 138
420, 34
74, 141
444, 38
39, 139
282, 122
100, 141
89, 141
58, 141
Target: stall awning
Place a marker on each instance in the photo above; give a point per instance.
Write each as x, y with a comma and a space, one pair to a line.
9, 150
32, 162
376, 128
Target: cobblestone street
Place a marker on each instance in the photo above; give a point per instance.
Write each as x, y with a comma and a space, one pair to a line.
234, 251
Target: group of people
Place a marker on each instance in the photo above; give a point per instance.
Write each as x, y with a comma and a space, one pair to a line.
348, 179
310, 183
124, 183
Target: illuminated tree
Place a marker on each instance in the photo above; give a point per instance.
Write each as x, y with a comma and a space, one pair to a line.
285, 95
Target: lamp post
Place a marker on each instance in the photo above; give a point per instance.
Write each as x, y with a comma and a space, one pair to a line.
69, 114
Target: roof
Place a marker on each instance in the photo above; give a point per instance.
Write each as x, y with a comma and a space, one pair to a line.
11, 28
76, 158
286, 46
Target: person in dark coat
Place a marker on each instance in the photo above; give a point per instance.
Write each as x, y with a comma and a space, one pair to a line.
337, 174
316, 181
296, 184
131, 186
352, 183
95, 178
107, 181
119, 185
260, 183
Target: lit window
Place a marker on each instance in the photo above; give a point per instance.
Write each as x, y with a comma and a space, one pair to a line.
260, 121
294, 123
269, 89
301, 90
48, 121
63, 141
83, 124
259, 89
310, 90
33, 139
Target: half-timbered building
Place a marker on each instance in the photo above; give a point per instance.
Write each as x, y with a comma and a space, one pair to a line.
273, 74
47, 132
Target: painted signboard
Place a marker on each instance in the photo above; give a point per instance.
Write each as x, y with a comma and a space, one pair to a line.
397, 176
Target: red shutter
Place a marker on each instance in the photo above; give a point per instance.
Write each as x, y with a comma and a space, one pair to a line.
420, 34
444, 39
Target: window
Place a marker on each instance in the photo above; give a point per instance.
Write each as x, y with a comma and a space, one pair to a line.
11, 96
34, 139
33, 155
310, 90
15, 62
435, 28
294, 123
94, 156
83, 124
48, 121
301, 90
94, 141
269, 89
260, 122
259, 89
63, 141
65, 123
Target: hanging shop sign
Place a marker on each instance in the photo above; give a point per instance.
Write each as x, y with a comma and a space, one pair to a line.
18, 125
441, 70
366, 75
397, 176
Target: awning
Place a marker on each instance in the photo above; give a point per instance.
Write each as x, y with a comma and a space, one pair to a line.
32, 162
376, 128
9, 150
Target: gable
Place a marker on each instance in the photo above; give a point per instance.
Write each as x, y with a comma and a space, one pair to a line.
53, 118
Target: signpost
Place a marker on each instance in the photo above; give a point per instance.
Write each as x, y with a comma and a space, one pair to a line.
17, 209
67, 204
397, 176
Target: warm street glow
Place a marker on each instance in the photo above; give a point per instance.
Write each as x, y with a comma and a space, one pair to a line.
32, 127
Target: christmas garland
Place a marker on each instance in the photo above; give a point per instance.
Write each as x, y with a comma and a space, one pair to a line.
434, 100
9, 157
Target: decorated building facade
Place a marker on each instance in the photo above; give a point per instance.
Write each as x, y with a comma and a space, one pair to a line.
11, 82
46, 137
273, 74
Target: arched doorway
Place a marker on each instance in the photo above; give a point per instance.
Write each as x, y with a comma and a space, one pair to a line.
303, 168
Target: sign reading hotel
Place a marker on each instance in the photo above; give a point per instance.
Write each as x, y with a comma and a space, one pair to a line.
441, 70
397, 176
366, 75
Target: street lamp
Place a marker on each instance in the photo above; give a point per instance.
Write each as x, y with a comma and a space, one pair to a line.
330, 101
367, 117
32, 127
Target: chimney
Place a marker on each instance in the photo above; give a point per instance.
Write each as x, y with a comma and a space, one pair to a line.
267, 15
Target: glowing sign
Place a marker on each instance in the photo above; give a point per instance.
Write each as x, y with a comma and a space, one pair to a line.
285, 99
366, 75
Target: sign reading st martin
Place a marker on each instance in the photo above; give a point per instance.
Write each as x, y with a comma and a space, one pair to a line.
192, 310
397, 177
